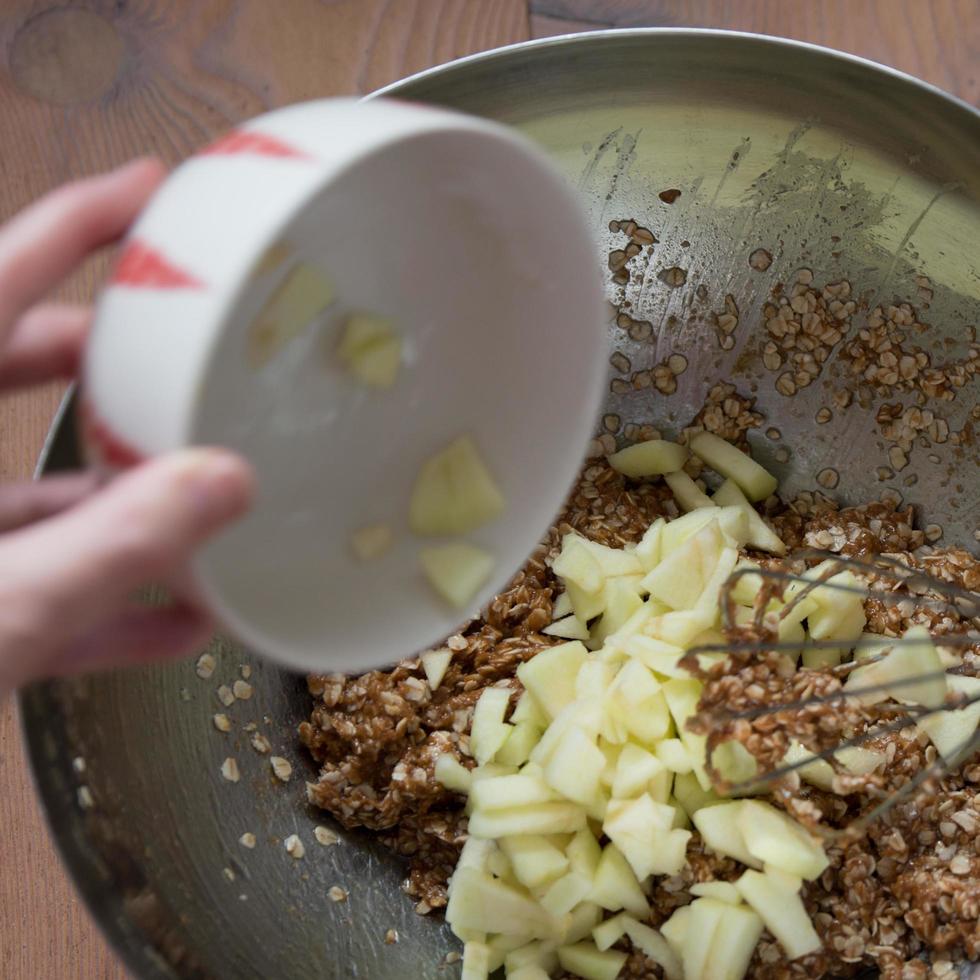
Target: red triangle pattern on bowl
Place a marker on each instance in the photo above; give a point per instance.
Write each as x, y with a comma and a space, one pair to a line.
248, 141
140, 265
109, 448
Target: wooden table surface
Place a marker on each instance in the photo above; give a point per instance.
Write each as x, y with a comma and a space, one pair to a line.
87, 85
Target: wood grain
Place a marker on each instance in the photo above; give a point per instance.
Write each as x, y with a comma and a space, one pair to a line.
83, 87
936, 40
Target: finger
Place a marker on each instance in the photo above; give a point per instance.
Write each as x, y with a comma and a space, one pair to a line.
42, 244
136, 636
25, 503
45, 343
65, 575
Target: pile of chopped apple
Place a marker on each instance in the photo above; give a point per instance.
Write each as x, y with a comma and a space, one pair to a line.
589, 789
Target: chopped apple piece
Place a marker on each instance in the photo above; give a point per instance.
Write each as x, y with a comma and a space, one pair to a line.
759, 534
583, 853
816, 771
520, 741
454, 492
435, 663
594, 678
540, 954
643, 831
782, 912
674, 930
690, 795
709, 602
953, 731
730, 519
529, 710
505, 792
864, 686
653, 944
724, 891
648, 547
680, 579
774, 837
540, 818
912, 673
500, 946
611, 751
371, 541
699, 937
725, 459
840, 603
535, 860
476, 961
584, 714
476, 853
672, 753
682, 697
564, 894
634, 626
682, 528
575, 767
687, 493
735, 763
585, 605
499, 866
816, 657
844, 622
721, 831
303, 293
550, 676
872, 646
609, 933
733, 943
561, 607
579, 923
371, 350
652, 458
488, 731
783, 879
452, 774
615, 885
614, 562
680, 628
568, 628
637, 694
492, 770
529, 972
576, 563
622, 602
860, 761
638, 772
659, 656
480, 902
457, 571
586, 961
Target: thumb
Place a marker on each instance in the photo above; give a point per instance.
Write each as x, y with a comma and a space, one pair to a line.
61, 577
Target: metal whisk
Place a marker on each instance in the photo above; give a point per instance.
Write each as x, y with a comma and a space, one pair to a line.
906, 584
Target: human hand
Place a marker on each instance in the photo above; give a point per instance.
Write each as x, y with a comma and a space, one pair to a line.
72, 553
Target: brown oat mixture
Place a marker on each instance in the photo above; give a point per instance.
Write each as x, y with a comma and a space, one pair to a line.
911, 885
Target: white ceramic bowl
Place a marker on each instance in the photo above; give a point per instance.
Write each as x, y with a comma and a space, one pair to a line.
457, 230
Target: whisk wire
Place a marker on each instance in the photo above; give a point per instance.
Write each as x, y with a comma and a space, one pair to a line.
925, 590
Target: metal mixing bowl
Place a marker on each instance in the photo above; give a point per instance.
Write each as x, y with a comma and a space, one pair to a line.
826, 162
